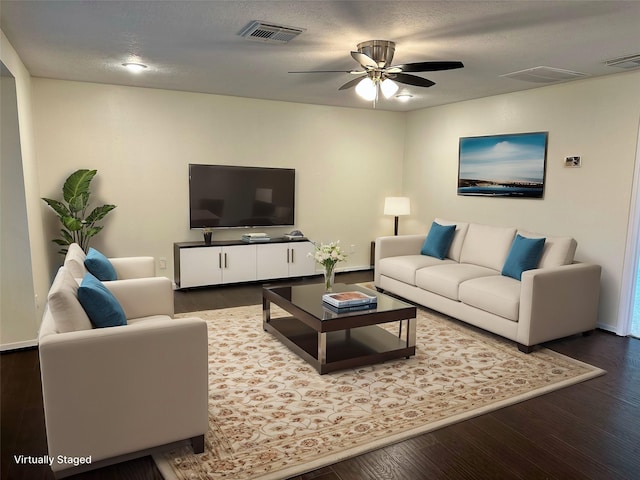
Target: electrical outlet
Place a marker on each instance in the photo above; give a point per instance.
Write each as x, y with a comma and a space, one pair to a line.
162, 263
352, 248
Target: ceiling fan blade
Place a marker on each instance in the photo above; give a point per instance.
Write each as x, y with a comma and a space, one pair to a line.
351, 83
364, 60
411, 80
428, 66
325, 71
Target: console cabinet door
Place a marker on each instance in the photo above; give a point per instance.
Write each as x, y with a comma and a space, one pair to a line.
239, 263
300, 262
200, 266
272, 261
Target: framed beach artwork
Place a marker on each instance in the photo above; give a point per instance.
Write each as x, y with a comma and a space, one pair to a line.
509, 165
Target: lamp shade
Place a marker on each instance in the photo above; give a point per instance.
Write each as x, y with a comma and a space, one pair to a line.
397, 206
367, 89
389, 88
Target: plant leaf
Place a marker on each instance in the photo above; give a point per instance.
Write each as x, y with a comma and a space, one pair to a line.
58, 207
90, 232
77, 184
79, 203
67, 237
99, 213
71, 223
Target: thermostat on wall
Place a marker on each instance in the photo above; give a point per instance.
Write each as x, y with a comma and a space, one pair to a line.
572, 162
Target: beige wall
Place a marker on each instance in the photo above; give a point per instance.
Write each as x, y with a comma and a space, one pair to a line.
142, 140
25, 280
596, 119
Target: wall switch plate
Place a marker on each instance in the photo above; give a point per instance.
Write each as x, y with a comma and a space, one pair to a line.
572, 162
162, 263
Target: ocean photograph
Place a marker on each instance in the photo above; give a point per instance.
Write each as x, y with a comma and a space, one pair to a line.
509, 165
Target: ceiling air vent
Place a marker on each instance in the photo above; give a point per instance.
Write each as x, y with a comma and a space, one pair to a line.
544, 75
628, 62
270, 32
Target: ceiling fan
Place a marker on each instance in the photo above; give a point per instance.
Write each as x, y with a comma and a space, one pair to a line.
377, 73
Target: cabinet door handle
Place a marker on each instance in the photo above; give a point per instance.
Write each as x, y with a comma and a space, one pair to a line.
292, 258
225, 261
288, 256
219, 260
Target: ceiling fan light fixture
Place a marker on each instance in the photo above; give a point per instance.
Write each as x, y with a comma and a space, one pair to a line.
134, 67
388, 87
367, 89
404, 97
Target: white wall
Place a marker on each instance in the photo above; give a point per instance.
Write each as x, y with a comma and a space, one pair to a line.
142, 140
596, 119
25, 280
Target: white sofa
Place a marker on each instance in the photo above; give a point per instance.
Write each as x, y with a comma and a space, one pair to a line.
557, 299
126, 267
115, 393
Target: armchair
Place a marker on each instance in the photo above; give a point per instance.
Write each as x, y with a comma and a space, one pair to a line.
112, 394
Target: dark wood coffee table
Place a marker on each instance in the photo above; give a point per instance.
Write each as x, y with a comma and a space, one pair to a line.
333, 341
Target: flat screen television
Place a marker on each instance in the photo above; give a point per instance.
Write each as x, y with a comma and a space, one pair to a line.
226, 196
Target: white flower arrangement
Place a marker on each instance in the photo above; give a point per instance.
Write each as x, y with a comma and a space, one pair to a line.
328, 255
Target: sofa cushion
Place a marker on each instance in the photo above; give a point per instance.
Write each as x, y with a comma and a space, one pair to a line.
403, 267
499, 295
100, 266
523, 255
557, 251
487, 245
438, 240
74, 261
458, 237
445, 279
68, 315
101, 306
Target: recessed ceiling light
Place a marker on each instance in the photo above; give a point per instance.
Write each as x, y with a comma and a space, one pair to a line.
404, 97
134, 67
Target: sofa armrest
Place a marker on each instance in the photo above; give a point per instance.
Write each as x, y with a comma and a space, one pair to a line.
144, 297
558, 302
398, 245
394, 247
134, 267
123, 389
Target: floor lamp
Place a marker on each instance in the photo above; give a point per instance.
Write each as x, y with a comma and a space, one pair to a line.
397, 206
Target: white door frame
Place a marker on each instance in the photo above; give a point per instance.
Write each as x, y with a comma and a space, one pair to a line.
632, 252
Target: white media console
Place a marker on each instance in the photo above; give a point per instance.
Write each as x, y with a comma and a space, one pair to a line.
197, 264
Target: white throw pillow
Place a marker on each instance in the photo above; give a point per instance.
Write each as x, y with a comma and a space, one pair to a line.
74, 261
68, 315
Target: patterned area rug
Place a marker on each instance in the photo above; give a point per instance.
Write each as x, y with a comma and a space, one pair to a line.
272, 416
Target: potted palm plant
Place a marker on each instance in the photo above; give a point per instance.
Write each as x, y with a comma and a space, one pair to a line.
77, 226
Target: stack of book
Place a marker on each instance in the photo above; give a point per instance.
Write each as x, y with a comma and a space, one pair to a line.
255, 237
349, 301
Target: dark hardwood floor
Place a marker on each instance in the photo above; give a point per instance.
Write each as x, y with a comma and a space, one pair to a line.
587, 431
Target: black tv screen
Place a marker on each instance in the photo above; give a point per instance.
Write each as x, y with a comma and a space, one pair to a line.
224, 196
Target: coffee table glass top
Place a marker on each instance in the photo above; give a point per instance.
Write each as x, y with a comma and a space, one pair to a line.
309, 299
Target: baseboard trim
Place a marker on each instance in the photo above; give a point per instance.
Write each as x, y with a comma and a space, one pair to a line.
8, 347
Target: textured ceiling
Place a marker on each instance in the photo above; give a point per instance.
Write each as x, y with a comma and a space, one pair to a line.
195, 46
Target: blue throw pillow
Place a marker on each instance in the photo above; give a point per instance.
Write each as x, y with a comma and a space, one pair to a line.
438, 240
100, 266
524, 255
101, 306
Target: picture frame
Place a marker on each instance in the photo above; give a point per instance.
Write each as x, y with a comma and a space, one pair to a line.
507, 165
